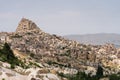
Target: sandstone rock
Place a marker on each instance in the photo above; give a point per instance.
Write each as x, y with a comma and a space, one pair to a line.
27, 25
104, 79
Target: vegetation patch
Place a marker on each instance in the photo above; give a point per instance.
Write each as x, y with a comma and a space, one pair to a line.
8, 56
82, 76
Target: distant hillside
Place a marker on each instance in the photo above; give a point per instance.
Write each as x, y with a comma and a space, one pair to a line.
98, 39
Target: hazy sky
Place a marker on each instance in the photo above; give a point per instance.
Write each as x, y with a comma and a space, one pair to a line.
63, 17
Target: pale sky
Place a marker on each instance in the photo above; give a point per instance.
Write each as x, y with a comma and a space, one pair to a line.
63, 17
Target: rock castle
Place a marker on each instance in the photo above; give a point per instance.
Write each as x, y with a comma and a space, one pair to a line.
56, 51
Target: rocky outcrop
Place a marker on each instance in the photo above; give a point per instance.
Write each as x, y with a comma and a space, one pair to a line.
26, 25
25, 74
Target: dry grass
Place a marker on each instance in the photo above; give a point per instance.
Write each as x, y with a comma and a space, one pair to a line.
20, 54
0, 73
43, 71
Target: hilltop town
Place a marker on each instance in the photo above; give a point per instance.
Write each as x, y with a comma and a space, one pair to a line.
51, 55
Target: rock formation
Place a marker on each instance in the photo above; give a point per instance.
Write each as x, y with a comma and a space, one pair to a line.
59, 54
27, 25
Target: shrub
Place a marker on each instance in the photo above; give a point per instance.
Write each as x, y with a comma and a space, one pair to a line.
114, 77
12, 66
99, 72
32, 55
3, 78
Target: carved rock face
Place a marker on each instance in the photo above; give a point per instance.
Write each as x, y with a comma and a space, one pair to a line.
26, 25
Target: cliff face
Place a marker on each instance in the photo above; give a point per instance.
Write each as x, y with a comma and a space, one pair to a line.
57, 51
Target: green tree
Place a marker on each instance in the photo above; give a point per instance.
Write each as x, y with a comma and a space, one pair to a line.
7, 55
7, 51
99, 72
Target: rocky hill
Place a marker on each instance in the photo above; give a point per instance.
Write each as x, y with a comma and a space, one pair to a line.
96, 39
58, 55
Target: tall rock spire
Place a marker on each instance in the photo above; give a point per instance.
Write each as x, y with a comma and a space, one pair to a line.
26, 25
